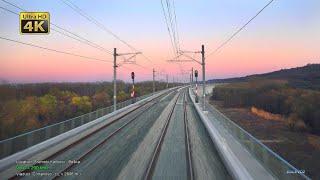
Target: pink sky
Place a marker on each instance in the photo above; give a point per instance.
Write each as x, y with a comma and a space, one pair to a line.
274, 41
31, 65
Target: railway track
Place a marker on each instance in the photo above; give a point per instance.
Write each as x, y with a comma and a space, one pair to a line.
147, 105
187, 139
154, 158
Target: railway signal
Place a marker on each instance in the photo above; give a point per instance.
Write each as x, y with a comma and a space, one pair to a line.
133, 92
196, 76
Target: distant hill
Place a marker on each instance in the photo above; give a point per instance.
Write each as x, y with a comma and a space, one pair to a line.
3, 81
306, 77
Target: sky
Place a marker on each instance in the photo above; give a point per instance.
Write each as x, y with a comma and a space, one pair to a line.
286, 34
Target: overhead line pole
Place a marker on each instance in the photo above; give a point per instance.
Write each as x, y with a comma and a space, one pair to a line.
203, 77
173, 81
115, 79
202, 63
115, 66
191, 77
167, 81
153, 83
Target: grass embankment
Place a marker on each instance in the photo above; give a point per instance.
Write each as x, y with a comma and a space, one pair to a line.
300, 108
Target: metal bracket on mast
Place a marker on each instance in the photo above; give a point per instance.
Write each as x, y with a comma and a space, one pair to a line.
202, 63
115, 65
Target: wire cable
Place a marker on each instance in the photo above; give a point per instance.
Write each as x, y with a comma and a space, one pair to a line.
78, 37
169, 11
8, 10
14, 5
54, 50
176, 24
91, 19
81, 12
239, 30
168, 28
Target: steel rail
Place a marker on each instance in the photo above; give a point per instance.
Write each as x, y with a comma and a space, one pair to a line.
98, 130
156, 152
84, 155
187, 141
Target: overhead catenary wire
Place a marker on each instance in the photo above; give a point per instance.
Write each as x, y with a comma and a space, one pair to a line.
84, 40
239, 30
87, 43
168, 28
169, 11
80, 39
8, 10
14, 5
54, 50
141, 66
75, 36
66, 33
168, 8
174, 27
176, 24
81, 12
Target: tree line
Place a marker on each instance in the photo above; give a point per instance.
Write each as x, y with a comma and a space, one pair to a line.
24, 107
301, 107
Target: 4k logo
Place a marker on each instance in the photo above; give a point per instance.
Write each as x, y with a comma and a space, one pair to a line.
34, 23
